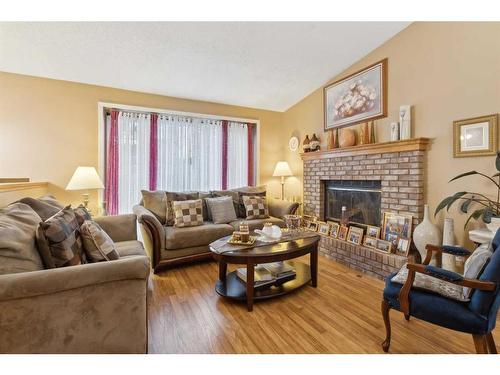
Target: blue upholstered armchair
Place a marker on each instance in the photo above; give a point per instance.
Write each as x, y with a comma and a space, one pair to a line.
477, 316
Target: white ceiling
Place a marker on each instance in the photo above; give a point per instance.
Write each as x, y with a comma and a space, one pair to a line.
262, 65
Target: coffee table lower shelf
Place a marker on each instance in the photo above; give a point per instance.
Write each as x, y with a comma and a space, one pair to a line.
235, 288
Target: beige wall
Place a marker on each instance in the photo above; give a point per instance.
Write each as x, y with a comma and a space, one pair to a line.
49, 127
446, 71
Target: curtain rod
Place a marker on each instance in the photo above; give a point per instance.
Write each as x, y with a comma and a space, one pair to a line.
108, 110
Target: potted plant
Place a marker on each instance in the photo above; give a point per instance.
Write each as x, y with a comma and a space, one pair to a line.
485, 208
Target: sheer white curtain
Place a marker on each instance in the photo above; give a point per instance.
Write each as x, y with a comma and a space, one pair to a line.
133, 154
189, 153
237, 155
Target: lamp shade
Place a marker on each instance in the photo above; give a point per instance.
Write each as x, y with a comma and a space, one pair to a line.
85, 178
282, 169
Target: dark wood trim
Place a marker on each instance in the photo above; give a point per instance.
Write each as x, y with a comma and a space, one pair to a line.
169, 263
386, 308
385, 81
480, 344
404, 294
155, 239
492, 349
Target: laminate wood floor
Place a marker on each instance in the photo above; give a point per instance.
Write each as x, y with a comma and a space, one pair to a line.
342, 315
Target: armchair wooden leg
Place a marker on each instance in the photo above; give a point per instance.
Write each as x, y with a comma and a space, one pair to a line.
387, 321
492, 349
407, 317
480, 344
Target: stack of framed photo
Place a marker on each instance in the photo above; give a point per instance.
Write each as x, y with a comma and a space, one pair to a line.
397, 230
393, 237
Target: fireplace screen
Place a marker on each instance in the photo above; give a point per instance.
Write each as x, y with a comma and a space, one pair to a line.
361, 198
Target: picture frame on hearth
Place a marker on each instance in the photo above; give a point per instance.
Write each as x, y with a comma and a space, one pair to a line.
306, 219
342, 234
312, 226
403, 246
323, 228
396, 225
355, 235
370, 242
334, 229
372, 231
385, 246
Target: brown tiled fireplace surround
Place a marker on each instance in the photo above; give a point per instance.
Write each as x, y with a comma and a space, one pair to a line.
400, 166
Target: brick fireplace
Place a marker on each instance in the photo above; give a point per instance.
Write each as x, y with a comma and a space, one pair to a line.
399, 167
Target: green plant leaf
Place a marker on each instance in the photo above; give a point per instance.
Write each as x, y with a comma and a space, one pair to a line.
487, 214
454, 198
442, 204
464, 207
475, 215
470, 173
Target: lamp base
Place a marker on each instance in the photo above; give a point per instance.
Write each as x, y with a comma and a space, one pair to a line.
86, 199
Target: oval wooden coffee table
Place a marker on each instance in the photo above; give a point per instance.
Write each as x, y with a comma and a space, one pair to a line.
230, 286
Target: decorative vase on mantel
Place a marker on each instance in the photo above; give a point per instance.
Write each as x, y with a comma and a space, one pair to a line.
426, 233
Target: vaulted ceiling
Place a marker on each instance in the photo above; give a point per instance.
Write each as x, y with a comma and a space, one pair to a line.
269, 65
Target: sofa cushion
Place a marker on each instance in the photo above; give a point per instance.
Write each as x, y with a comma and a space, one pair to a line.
129, 248
42, 208
221, 209
18, 252
257, 223
255, 207
188, 213
178, 238
177, 197
228, 193
50, 199
156, 202
96, 242
437, 309
59, 240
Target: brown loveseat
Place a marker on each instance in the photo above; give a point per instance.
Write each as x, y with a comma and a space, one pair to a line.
89, 308
167, 245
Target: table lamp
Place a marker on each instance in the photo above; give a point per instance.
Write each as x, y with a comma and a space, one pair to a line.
85, 178
282, 170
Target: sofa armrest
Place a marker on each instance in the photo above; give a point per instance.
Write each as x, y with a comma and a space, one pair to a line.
153, 233
119, 227
37, 283
279, 208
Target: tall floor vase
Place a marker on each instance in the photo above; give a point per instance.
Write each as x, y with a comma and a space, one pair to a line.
426, 233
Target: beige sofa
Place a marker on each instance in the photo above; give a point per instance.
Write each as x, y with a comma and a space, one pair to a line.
167, 245
89, 308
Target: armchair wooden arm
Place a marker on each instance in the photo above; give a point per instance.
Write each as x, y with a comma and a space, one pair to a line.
454, 250
448, 276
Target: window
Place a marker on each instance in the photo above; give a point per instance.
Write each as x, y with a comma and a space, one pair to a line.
174, 153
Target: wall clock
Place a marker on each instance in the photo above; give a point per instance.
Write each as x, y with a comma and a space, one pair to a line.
293, 144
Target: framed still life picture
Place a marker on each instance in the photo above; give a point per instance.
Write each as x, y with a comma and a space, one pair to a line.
396, 226
475, 136
360, 97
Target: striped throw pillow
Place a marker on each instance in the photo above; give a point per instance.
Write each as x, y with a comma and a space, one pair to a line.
187, 213
97, 243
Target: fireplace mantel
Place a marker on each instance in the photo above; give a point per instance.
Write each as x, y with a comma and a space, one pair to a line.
415, 144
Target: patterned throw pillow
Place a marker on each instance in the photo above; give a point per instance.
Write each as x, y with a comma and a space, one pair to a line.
81, 214
97, 243
176, 197
255, 207
432, 284
59, 240
187, 213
